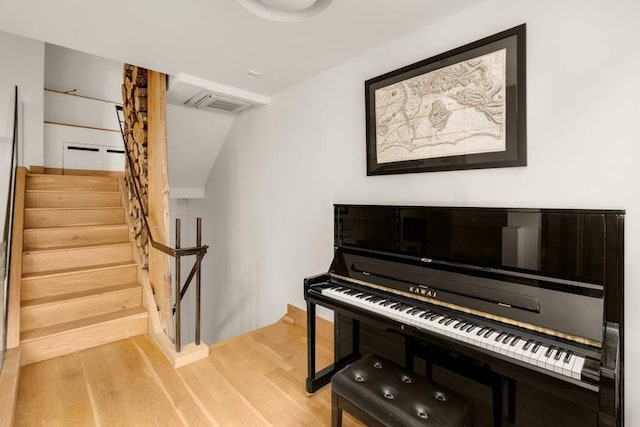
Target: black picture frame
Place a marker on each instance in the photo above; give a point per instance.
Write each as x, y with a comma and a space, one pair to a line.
505, 142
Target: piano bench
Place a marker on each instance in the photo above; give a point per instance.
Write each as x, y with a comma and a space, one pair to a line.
381, 393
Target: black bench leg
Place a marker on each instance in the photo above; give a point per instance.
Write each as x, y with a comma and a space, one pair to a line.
336, 411
511, 396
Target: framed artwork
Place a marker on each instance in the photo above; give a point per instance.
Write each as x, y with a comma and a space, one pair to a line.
462, 109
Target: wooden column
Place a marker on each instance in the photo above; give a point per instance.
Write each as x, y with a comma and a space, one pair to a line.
158, 184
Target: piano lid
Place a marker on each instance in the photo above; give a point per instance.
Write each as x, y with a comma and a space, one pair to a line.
564, 246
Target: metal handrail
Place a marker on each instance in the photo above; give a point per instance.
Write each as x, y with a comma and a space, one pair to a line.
10, 191
199, 250
7, 234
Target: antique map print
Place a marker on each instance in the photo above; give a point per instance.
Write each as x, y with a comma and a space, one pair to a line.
455, 110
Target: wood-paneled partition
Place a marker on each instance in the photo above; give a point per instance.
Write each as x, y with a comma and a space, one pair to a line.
145, 134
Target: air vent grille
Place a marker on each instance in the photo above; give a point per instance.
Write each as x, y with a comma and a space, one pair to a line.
210, 101
221, 104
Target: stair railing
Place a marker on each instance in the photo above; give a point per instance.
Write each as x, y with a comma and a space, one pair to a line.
8, 226
178, 252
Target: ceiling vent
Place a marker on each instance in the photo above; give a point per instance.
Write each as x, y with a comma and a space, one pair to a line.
207, 100
217, 98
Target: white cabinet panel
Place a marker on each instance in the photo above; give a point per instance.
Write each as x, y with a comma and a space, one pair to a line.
92, 157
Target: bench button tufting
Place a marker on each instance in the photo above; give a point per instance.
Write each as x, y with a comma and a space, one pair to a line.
441, 397
378, 390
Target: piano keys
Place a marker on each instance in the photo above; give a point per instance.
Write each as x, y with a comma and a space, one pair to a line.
536, 294
513, 344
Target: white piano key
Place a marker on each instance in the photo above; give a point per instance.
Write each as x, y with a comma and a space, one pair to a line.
576, 370
567, 367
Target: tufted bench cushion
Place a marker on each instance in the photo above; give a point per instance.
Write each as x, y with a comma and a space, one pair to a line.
388, 395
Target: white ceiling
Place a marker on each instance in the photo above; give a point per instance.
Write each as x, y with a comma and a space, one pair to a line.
218, 40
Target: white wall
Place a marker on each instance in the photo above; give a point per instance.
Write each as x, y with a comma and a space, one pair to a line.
194, 138
92, 77
22, 64
264, 210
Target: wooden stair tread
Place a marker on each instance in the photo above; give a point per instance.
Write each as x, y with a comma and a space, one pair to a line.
61, 328
71, 182
73, 248
74, 192
88, 208
79, 226
38, 302
96, 267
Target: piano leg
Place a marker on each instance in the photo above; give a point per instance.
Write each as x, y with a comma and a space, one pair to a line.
311, 345
497, 388
316, 380
511, 399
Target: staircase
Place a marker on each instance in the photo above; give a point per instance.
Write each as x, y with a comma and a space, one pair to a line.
79, 280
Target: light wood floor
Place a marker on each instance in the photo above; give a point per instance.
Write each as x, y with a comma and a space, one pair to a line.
256, 379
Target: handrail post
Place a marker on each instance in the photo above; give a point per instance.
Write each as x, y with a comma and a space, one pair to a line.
177, 287
199, 261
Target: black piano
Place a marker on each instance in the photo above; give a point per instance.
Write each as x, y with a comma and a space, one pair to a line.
531, 295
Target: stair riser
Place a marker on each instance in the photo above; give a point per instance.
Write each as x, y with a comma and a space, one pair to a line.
76, 282
71, 199
67, 311
33, 262
40, 218
59, 237
76, 340
71, 183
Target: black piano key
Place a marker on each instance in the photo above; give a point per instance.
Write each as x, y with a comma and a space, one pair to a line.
450, 321
549, 351
471, 328
362, 295
568, 356
458, 324
434, 317
489, 332
500, 336
482, 329
425, 314
444, 319
507, 338
414, 311
558, 354
536, 347
515, 341
388, 303
527, 345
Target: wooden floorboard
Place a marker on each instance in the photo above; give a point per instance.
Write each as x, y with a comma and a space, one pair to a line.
256, 379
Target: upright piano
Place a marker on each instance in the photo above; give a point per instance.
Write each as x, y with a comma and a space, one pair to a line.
534, 295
